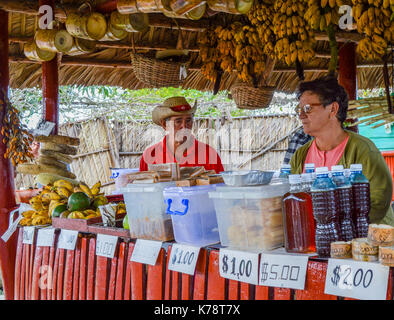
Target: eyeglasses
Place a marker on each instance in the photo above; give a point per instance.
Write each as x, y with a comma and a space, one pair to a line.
307, 108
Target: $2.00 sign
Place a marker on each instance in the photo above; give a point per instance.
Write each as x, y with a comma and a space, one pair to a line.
356, 279
239, 265
183, 258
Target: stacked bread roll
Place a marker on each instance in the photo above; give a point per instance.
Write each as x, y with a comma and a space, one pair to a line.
56, 153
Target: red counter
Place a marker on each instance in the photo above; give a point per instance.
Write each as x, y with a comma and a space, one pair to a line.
389, 157
81, 275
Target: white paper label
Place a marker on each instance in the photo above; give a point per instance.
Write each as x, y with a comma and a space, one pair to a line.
28, 235
108, 214
106, 245
146, 251
283, 271
45, 237
239, 265
183, 258
44, 128
356, 279
67, 239
12, 225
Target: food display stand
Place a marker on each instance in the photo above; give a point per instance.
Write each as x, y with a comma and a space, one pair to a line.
33, 272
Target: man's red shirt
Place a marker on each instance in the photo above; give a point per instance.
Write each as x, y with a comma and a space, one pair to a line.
199, 154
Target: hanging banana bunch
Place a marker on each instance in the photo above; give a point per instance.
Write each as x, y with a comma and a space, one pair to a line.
209, 54
294, 35
14, 135
374, 18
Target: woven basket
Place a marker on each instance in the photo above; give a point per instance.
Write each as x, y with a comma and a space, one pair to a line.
249, 97
157, 73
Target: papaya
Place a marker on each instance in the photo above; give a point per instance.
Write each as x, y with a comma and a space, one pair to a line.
78, 201
59, 210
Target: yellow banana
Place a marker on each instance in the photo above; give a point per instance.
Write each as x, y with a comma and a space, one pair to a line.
50, 196
96, 188
86, 189
65, 184
63, 192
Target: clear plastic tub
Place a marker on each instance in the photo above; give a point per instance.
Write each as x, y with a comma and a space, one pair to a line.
193, 214
146, 211
250, 218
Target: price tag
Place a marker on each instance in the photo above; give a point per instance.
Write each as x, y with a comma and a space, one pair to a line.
146, 251
239, 265
44, 128
283, 270
45, 237
106, 245
28, 235
356, 279
183, 258
67, 239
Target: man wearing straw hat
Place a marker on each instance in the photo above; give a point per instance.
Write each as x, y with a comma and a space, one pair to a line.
179, 145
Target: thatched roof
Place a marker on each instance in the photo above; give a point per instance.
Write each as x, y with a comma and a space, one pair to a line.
111, 66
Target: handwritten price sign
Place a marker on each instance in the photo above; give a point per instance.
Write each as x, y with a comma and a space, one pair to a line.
356, 279
68, 239
106, 245
183, 258
146, 251
239, 265
28, 235
283, 271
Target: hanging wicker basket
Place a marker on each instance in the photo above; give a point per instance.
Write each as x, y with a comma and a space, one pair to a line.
158, 73
249, 97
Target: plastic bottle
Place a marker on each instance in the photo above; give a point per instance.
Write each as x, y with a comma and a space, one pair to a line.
326, 212
298, 218
285, 171
307, 181
345, 196
361, 200
310, 168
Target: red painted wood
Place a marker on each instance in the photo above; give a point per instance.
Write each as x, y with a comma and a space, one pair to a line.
18, 265
83, 268
53, 291
60, 274
154, 286
314, 284
167, 293
233, 290
27, 271
68, 275
51, 275
31, 263
199, 276
35, 291
244, 292
120, 272
7, 187
175, 285
186, 287
136, 278
101, 282
91, 269
261, 293
23, 274
216, 284
77, 262
282, 294
112, 274
107, 6
50, 84
127, 284
45, 268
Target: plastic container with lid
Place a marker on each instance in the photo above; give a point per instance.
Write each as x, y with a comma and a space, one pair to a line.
193, 214
250, 218
146, 211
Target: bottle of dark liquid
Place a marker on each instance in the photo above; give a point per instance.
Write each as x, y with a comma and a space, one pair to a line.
361, 200
307, 181
298, 218
345, 195
325, 211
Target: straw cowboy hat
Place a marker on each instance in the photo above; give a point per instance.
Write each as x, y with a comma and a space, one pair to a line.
174, 106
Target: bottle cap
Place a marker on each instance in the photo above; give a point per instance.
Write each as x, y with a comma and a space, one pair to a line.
309, 165
356, 167
337, 168
294, 178
321, 170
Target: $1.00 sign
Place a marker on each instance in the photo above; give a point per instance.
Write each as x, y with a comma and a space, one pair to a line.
283, 271
239, 265
106, 245
183, 258
356, 279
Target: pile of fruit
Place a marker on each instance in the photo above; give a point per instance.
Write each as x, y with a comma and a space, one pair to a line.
66, 200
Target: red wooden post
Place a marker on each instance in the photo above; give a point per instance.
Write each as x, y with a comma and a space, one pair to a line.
199, 276
50, 83
347, 76
120, 273
154, 286
137, 276
112, 274
35, 290
77, 261
45, 264
7, 188
83, 269
216, 284
68, 274
262, 293
18, 266
128, 276
91, 267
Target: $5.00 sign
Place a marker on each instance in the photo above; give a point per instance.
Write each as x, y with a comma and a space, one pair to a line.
356, 279
239, 265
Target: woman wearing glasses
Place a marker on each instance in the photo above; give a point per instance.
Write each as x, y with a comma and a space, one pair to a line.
322, 109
